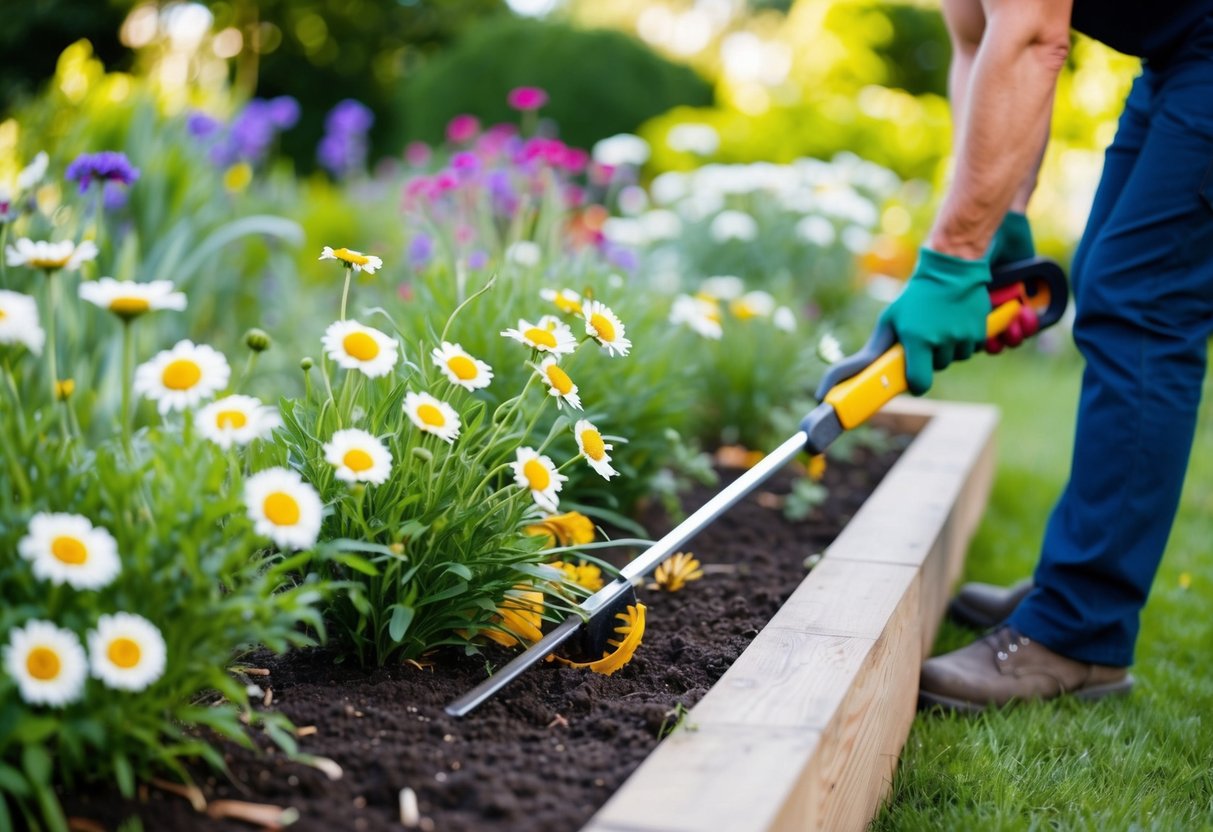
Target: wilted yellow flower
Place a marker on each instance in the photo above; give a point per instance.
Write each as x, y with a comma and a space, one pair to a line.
522, 614
630, 630
817, 467
570, 529
677, 571
585, 575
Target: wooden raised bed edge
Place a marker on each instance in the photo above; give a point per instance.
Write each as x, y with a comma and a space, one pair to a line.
804, 730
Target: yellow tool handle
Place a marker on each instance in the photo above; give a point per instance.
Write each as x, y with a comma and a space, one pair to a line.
857, 398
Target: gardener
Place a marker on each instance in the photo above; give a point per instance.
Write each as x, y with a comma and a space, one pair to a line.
1143, 290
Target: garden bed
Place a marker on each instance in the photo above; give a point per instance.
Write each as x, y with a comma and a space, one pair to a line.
560, 742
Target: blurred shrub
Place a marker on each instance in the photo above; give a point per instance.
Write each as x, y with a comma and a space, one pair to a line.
600, 82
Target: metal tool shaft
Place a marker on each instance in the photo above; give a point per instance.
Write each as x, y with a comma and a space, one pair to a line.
638, 567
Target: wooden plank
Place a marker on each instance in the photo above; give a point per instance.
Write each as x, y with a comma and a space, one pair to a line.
804, 729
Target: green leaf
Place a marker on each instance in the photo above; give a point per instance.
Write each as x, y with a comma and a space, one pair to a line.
37, 764
12, 782
402, 617
460, 570
124, 775
358, 564
34, 729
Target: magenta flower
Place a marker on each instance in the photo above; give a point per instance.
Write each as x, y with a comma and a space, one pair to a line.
462, 129
417, 154
527, 99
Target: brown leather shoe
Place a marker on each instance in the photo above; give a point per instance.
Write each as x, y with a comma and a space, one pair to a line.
982, 606
1005, 666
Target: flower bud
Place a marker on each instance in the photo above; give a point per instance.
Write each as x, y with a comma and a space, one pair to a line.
306, 364
257, 340
423, 454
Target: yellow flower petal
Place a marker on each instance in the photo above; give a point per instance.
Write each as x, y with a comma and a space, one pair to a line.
522, 614
630, 631
677, 572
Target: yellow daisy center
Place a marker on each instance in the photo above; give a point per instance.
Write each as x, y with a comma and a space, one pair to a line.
463, 367
358, 460
43, 664
50, 262
182, 374
69, 550
540, 337
129, 306
603, 326
537, 475
361, 345
567, 303
431, 415
3, 314
281, 509
560, 380
592, 444
124, 652
231, 419
351, 256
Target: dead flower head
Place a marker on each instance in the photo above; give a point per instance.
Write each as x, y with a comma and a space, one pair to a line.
677, 572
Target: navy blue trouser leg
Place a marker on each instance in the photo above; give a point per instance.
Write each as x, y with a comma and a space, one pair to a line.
1143, 286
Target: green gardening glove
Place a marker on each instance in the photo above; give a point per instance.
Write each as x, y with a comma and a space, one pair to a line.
940, 315
1013, 240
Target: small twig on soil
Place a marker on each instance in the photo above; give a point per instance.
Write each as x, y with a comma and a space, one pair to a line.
269, 697
265, 815
768, 500
330, 767
250, 671
305, 730
191, 793
558, 721
420, 665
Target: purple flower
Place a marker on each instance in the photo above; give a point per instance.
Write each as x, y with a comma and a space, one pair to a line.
283, 112
201, 126
478, 259
114, 197
106, 166
421, 250
527, 99
620, 257
343, 148
465, 165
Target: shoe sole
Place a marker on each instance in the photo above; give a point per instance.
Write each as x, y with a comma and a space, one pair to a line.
931, 701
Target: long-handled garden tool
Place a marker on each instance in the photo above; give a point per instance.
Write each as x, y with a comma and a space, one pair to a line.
1025, 297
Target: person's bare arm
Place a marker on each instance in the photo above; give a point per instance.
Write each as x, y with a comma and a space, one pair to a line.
1006, 58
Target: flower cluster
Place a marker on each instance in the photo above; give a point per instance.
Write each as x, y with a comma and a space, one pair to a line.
343, 148
250, 135
48, 663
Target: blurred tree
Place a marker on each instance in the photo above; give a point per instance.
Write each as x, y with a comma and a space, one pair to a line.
36, 31
600, 82
324, 51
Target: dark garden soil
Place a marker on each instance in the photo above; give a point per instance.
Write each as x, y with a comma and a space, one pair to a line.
546, 754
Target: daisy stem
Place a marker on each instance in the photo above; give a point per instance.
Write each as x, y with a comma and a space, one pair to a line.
248, 371
3, 256
99, 213
10, 384
345, 293
128, 363
52, 358
328, 385
19, 478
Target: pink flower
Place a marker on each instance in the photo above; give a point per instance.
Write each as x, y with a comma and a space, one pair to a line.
417, 154
462, 128
527, 98
575, 159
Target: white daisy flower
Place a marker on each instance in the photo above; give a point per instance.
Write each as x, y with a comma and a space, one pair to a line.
756, 304
33, 173
559, 384
785, 319
722, 287
126, 651
284, 508
566, 300
182, 377
128, 299
829, 349
460, 368
19, 321
47, 663
69, 549
237, 420
358, 457
50, 256
524, 253
594, 448
549, 335
539, 475
700, 314
602, 324
733, 225
357, 347
432, 416
621, 149
351, 259
816, 230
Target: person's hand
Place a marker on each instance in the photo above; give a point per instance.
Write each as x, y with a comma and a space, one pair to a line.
1013, 241
940, 315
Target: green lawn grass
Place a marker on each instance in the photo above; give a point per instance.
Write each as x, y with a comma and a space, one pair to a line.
1142, 762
